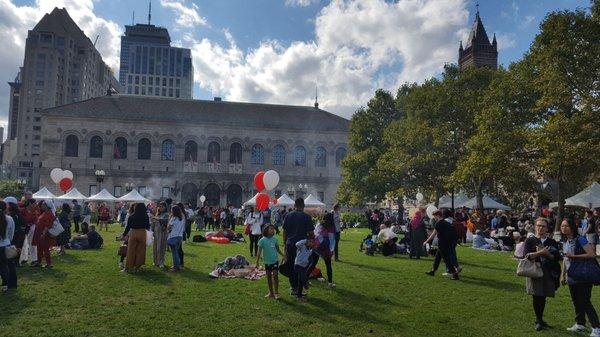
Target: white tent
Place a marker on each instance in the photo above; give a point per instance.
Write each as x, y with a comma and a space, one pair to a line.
488, 203
589, 198
285, 200
133, 196
251, 202
312, 201
459, 199
103, 195
43, 194
73, 194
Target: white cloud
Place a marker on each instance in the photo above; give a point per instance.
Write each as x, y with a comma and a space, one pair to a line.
300, 3
506, 41
186, 17
526, 21
356, 42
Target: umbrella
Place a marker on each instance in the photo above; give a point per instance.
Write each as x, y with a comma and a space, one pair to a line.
73, 194
312, 201
103, 195
488, 203
43, 194
285, 200
251, 202
133, 196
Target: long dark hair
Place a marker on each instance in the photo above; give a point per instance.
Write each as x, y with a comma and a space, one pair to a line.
3, 223
183, 214
66, 208
140, 211
176, 212
572, 227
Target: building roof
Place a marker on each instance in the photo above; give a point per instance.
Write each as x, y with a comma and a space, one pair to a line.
59, 20
478, 36
188, 111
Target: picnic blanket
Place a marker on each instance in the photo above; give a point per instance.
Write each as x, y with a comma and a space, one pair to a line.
237, 267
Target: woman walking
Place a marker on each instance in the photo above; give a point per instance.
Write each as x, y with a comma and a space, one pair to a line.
324, 246
41, 238
417, 234
255, 221
543, 249
176, 230
135, 232
577, 247
8, 268
63, 238
159, 227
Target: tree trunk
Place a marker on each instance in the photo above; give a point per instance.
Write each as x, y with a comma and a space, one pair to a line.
437, 198
480, 196
561, 199
400, 203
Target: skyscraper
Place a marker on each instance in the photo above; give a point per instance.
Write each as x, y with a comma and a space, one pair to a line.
61, 65
478, 52
151, 67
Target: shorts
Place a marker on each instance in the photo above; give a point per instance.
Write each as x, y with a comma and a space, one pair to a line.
272, 267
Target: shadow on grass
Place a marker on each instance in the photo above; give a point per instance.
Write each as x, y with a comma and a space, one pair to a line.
485, 266
12, 304
153, 276
366, 266
496, 284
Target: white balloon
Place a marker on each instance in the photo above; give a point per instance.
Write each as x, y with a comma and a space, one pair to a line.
202, 199
419, 196
67, 174
430, 209
271, 180
56, 175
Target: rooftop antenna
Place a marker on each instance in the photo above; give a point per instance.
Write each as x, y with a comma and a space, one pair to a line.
477, 6
316, 96
133, 19
149, 11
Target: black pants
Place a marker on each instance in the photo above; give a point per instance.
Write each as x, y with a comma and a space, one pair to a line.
539, 304
181, 254
188, 229
448, 254
76, 221
301, 276
581, 295
314, 259
8, 270
290, 252
337, 243
254, 243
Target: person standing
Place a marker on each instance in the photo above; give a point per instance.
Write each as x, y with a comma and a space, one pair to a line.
231, 218
543, 249
87, 217
135, 232
64, 238
103, 216
589, 231
41, 238
417, 234
337, 221
8, 268
159, 227
296, 227
200, 218
239, 217
446, 245
20, 230
304, 250
255, 220
268, 246
577, 247
30, 213
76, 215
324, 235
176, 230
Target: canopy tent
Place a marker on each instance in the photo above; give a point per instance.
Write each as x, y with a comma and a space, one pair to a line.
103, 195
251, 202
589, 198
133, 196
73, 194
488, 203
312, 201
285, 200
446, 200
43, 194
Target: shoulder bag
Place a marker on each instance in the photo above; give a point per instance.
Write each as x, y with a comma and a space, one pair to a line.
531, 269
584, 270
56, 228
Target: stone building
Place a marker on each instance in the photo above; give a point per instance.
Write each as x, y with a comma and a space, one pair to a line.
478, 52
187, 148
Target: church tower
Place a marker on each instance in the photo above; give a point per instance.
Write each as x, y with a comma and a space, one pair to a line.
478, 52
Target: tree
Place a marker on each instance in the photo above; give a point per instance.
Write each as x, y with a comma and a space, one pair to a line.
10, 188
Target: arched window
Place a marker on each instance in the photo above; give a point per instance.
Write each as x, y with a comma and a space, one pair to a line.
235, 153
300, 156
279, 155
120, 148
144, 149
320, 157
96, 147
258, 154
214, 153
212, 192
167, 151
340, 154
191, 151
234, 195
72, 146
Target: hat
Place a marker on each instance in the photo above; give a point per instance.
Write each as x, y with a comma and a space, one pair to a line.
11, 200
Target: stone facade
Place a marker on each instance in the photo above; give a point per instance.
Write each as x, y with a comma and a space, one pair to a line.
222, 172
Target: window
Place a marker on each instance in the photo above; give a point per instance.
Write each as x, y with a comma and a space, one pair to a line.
117, 191
142, 190
321, 196
93, 190
96, 147
278, 155
320, 157
340, 154
144, 149
37, 128
235, 153
120, 148
258, 155
300, 156
214, 153
166, 191
72, 146
168, 150
191, 151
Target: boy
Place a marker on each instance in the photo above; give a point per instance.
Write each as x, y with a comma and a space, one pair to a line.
304, 250
270, 246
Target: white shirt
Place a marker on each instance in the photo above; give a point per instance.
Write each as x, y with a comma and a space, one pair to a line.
255, 221
10, 232
177, 229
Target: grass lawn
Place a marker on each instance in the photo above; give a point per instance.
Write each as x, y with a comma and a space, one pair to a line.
86, 295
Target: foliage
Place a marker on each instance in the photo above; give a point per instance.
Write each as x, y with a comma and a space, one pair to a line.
11, 188
352, 218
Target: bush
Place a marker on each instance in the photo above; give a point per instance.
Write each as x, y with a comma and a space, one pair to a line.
10, 188
352, 218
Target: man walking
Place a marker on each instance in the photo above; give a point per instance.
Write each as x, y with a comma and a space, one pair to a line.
337, 221
446, 244
296, 226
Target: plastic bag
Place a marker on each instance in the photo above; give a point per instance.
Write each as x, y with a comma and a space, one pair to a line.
149, 238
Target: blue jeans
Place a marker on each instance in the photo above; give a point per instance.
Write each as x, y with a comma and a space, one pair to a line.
8, 270
301, 274
175, 244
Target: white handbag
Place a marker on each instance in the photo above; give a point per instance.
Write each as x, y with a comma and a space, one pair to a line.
56, 228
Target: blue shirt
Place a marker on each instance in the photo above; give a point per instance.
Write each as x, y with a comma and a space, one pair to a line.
5, 240
178, 227
269, 249
302, 254
494, 223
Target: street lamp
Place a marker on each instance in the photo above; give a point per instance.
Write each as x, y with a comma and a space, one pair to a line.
100, 174
22, 182
291, 190
128, 187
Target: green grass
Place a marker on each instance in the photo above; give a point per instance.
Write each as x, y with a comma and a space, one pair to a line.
86, 295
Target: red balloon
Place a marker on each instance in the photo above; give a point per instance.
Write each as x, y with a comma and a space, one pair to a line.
65, 184
262, 201
258, 181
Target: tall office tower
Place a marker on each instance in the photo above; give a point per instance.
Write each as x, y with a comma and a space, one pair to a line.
13, 107
151, 67
61, 65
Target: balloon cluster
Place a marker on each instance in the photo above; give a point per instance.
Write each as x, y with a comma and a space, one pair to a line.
265, 181
64, 178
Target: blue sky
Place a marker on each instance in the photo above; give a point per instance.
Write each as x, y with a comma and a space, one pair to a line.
276, 51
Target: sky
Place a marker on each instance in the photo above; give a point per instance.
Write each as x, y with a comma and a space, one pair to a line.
279, 51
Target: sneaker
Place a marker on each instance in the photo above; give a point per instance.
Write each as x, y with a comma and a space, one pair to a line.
454, 277
459, 269
576, 328
446, 274
595, 332
430, 273
331, 285
121, 265
538, 326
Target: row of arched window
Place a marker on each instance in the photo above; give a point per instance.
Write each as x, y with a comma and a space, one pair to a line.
167, 152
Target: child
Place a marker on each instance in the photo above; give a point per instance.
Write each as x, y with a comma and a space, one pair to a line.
304, 250
270, 246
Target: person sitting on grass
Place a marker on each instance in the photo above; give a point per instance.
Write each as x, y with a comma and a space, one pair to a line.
387, 239
268, 246
304, 250
482, 241
91, 240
